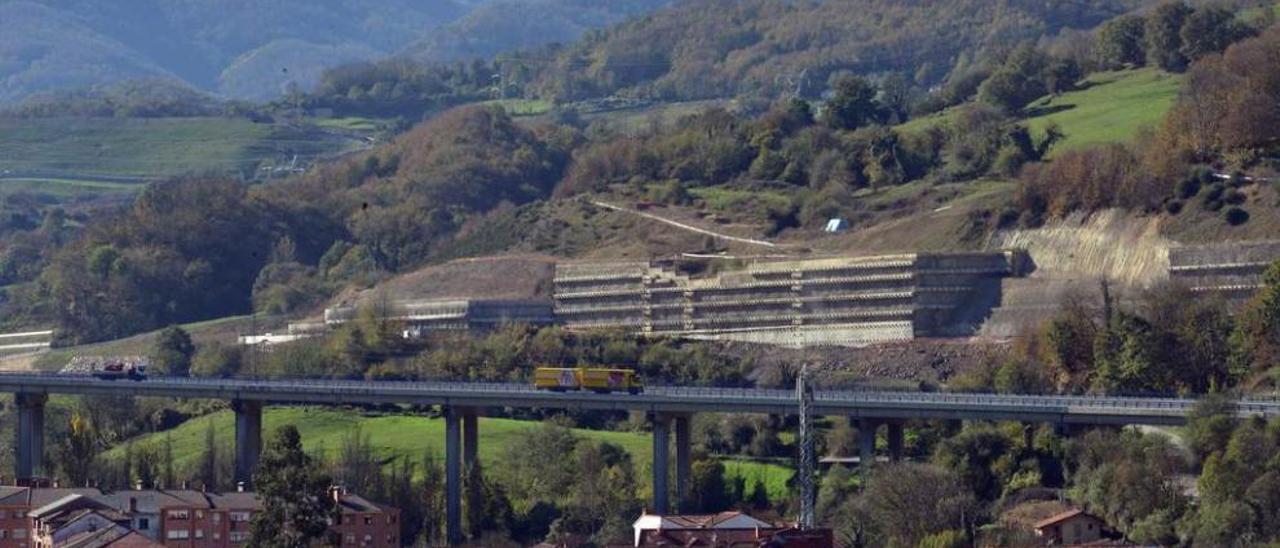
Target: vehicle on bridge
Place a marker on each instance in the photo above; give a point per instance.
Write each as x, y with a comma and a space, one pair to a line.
599, 380
116, 369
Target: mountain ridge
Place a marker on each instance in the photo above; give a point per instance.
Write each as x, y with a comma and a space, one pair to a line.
247, 50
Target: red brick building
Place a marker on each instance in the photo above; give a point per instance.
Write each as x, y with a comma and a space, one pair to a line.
179, 518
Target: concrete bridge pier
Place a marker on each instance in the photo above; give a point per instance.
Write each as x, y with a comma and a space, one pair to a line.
684, 469
895, 437
248, 439
661, 463
470, 439
662, 426
461, 443
867, 444
29, 442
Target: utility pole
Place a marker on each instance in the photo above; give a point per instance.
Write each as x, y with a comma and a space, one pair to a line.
804, 393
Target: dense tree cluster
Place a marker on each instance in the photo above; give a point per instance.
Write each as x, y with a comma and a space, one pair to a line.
1170, 37
1028, 74
397, 87
145, 98
825, 162
1170, 342
1227, 106
1132, 480
767, 47
184, 250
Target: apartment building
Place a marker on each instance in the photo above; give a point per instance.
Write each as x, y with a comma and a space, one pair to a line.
47, 517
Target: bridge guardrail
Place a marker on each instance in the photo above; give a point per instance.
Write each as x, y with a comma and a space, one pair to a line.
677, 394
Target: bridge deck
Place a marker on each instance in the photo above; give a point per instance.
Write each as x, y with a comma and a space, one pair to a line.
1057, 409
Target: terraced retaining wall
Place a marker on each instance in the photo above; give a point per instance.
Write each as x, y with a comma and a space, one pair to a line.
1231, 269
850, 301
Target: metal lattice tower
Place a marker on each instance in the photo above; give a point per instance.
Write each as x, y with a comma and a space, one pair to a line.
808, 461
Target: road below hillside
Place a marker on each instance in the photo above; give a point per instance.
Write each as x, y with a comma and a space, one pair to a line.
684, 226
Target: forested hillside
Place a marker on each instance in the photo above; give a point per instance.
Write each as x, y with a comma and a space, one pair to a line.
255, 50
921, 124
724, 47
507, 25
474, 180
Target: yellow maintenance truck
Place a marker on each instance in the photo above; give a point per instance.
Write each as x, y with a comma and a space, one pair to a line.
602, 380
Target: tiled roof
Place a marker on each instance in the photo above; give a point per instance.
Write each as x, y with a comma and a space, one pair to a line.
235, 500
356, 503
118, 537
12, 496
1051, 520
735, 538
40, 496
706, 521
67, 503
151, 501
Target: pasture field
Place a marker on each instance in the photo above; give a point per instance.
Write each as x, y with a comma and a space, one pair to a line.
81, 149
1112, 107
400, 436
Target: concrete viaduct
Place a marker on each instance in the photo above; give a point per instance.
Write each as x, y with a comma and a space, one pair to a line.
668, 408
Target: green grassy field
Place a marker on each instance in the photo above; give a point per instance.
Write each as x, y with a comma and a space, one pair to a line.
64, 188
223, 330
916, 125
129, 146
395, 436
751, 205
350, 123
522, 107
151, 147
640, 120
1111, 109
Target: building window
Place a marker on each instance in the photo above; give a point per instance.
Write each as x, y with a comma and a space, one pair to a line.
3, 534
347, 519
368, 520
238, 516
179, 514
19, 533
144, 524
351, 538
178, 534
199, 514
216, 517
217, 535
237, 536
199, 533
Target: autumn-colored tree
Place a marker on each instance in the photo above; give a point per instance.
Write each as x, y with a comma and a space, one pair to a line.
77, 451
1256, 340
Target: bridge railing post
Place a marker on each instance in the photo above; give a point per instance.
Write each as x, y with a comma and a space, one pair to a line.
29, 442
